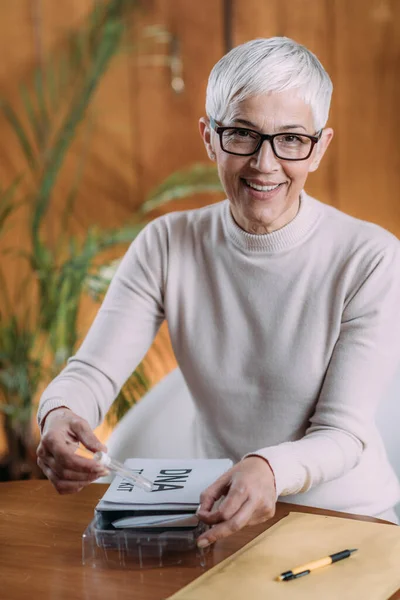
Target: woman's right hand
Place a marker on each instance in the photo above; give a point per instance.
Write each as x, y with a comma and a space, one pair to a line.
61, 434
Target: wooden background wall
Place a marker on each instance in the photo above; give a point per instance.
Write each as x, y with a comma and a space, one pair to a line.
141, 130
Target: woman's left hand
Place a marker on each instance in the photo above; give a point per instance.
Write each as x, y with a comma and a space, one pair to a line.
250, 498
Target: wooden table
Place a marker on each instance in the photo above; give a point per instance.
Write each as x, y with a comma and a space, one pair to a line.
40, 549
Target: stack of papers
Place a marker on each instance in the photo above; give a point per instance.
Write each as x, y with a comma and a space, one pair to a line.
174, 499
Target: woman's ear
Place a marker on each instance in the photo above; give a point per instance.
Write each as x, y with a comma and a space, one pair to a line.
205, 132
321, 148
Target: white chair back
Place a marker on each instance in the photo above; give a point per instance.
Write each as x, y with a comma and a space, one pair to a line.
161, 424
388, 420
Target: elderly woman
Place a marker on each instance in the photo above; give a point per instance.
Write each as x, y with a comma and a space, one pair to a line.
283, 313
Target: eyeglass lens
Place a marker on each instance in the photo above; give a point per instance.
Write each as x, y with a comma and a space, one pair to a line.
243, 141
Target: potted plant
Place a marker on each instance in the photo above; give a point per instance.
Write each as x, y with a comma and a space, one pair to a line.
37, 339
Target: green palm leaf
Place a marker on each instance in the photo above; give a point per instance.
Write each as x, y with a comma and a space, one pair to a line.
20, 132
7, 203
196, 179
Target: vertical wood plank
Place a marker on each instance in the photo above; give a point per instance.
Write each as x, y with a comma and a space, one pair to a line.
367, 53
17, 52
166, 122
16, 41
254, 19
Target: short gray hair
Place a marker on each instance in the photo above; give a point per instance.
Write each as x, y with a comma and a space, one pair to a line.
269, 65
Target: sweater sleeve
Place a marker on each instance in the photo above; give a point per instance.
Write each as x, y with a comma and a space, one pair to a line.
362, 366
124, 328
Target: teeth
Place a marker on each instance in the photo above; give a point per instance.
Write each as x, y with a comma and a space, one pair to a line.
262, 188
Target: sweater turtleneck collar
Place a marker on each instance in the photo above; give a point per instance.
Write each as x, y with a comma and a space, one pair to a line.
281, 239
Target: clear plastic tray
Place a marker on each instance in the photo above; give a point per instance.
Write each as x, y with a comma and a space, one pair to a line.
141, 549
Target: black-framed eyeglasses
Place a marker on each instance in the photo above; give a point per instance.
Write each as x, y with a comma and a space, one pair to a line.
245, 142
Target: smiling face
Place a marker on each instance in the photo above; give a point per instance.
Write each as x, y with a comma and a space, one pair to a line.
263, 190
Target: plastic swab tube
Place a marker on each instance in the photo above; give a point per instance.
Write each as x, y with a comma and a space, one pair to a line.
113, 465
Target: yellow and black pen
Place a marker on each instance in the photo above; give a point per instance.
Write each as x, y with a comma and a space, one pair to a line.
316, 564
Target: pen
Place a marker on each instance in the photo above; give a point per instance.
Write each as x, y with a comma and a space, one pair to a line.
316, 564
113, 465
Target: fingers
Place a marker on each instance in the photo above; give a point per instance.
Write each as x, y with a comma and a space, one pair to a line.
248, 514
62, 439
56, 454
69, 482
250, 498
62, 456
210, 495
71, 474
72, 467
65, 458
238, 495
86, 436
239, 520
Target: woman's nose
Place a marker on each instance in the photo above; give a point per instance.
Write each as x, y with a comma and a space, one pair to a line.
265, 160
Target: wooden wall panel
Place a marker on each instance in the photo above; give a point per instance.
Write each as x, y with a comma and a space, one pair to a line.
17, 52
16, 42
367, 56
166, 123
254, 19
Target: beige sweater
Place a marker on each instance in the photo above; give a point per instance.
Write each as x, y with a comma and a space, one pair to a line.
287, 341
